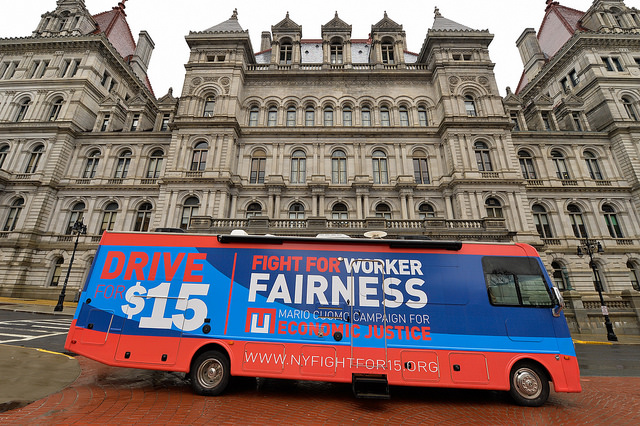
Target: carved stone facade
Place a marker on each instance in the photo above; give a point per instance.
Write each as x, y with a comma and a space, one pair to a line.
337, 135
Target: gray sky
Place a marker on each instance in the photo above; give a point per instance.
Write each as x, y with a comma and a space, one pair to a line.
168, 21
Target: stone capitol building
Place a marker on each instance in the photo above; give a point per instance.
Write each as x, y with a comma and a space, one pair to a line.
338, 135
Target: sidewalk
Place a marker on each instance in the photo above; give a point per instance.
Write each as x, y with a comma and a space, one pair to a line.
36, 306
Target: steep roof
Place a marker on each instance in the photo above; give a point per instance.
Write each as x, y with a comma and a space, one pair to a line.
441, 23
558, 26
113, 24
231, 25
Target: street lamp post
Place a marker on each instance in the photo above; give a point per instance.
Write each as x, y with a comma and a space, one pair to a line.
80, 229
591, 247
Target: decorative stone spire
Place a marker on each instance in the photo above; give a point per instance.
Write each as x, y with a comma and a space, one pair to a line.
121, 6
235, 14
437, 12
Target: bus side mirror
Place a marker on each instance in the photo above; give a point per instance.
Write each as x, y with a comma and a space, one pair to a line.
560, 302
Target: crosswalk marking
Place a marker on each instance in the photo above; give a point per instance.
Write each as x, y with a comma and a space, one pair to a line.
24, 330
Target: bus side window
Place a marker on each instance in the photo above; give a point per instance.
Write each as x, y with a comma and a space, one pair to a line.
515, 281
502, 289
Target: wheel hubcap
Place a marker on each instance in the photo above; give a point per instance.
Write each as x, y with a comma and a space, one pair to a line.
528, 383
210, 373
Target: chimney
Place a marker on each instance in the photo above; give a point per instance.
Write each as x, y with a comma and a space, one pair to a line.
266, 41
142, 55
532, 56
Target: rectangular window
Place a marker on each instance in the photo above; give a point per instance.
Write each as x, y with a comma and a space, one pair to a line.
64, 66
42, 68
347, 119
165, 123
576, 122
33, 68
565, 84
617, 63
515, 282
12, 69
422, 117
135, 122
105, 123
105, 78
545, 121
514, 120
73, 68
574, 78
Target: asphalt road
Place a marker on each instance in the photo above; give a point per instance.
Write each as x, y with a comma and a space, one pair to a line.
49, 332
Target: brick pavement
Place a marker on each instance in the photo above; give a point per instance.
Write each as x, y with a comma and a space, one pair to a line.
108, 395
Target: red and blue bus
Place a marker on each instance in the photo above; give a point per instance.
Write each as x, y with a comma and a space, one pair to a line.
371, 312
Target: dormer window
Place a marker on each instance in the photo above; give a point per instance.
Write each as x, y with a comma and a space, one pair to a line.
336, 52
387, 53
286, 53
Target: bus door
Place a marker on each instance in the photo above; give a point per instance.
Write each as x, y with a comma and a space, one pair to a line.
368, 319
152, 339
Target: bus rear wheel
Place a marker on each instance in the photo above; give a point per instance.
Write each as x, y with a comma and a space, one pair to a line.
529, 385
210, 373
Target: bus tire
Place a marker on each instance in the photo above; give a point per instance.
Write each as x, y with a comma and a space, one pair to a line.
529, 384
210, 373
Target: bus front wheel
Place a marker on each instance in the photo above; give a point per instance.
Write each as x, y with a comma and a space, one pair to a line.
210, 373
529, 385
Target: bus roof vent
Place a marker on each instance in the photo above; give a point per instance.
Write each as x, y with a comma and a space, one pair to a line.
239, 232
332, 236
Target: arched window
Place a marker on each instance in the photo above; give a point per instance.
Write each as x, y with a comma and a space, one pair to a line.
199, 157
298, 167
422, 116
143, 217
209, 105
380, 172
57, 272
404, 116
56, 107
611, 219
23, 107
4, 151
122, 168
560, 164
541, 219
296, 211
14, 215
426, 210
559, 276
286, 52
577, 221
385, 117
109, 217
258, 165
254, 209
633, 275
91, 166
383, 210
335, 55
366, 116
338, 167
526, 165
339, 212
328, 116
155, 164
34, 159
592, 165
630, 108
291, 116
253, 116
420, 168
272, 116
309, 116
190, 208
493, 207
483, 159
347, 116
387, 52
470, 106
77, 214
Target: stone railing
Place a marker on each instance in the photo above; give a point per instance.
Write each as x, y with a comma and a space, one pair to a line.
584, 312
